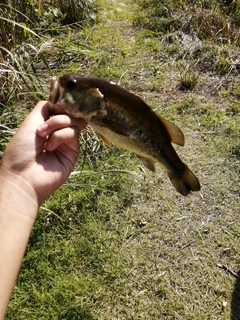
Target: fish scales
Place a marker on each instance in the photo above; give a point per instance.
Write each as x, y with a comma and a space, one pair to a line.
150, 143
122, 118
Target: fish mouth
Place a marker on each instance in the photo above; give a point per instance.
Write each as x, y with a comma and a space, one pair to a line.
55, 91
56, 95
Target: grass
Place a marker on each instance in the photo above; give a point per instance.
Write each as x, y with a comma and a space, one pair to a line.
117, 242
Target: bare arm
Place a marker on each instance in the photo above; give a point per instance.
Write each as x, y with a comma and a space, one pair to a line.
37, 161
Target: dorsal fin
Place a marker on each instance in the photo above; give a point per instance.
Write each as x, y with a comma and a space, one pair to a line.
175, 133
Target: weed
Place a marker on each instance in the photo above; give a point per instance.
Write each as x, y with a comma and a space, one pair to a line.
188, 79
223, 65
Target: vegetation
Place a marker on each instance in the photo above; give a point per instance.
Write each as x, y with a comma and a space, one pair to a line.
116, 242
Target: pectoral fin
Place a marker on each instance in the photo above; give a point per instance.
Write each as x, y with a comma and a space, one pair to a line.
175, 133
104, 139
147, 162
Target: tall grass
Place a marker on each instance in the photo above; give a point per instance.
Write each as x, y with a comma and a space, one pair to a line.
37, 14
27, 29
30, 55
218, 20
13, 17
19, 75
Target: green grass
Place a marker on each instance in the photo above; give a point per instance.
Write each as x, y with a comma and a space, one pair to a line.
117, 242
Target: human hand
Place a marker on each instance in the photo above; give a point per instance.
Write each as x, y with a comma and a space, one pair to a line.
42, 154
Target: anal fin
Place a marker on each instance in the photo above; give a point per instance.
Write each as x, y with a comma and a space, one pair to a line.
148, 163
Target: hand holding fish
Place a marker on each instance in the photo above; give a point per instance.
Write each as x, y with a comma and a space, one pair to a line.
121, 118
26, 159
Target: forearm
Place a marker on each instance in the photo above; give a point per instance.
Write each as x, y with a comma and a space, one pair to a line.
18, 210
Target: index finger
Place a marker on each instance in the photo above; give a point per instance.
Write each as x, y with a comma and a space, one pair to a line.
59, 122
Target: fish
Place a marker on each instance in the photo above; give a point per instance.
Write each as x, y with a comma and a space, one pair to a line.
121, 118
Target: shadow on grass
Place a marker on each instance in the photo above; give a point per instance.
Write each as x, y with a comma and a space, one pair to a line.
77, 313
235, 303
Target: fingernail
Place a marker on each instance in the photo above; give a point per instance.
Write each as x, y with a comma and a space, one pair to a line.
48, 146
43, 127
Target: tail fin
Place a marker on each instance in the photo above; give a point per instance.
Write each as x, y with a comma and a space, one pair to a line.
185, 182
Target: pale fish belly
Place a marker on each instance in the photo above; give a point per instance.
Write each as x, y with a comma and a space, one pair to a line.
131, 143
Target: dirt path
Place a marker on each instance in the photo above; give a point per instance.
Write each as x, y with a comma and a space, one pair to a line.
174, 246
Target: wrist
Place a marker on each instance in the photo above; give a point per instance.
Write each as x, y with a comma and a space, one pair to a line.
17, 194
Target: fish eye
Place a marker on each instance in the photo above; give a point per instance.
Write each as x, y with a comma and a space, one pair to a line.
70, 84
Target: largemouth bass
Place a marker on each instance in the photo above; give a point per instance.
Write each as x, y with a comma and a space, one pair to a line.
119, 117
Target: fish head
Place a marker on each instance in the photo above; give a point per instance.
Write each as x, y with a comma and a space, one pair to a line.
72, 97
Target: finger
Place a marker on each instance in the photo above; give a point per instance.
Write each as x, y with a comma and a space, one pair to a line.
25, 138
43, 109
59, 122
39, 114
68, 136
